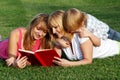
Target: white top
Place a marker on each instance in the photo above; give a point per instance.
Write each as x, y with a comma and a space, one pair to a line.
108, 48
97, 27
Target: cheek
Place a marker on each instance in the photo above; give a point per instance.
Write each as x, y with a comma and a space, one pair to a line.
58, 30
44, 34
32, 33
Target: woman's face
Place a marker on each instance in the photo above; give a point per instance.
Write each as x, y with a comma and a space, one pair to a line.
57, 31
39, 32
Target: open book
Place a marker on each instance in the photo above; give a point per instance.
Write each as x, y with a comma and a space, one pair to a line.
40, 57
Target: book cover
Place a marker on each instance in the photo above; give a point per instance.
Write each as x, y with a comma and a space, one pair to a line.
40, 57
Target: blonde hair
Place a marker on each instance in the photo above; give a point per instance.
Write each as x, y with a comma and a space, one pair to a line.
29, 40
55, 20
72, 20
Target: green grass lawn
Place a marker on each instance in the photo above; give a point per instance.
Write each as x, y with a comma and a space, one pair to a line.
16, 13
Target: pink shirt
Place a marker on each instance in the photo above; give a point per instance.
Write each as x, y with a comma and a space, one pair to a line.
4, 46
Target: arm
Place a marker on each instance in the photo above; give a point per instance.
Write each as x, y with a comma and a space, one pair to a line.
12, 46
94, 39
86, 48
12, 51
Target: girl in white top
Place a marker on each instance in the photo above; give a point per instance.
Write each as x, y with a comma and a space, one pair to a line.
107, 48
80, 51
78, 46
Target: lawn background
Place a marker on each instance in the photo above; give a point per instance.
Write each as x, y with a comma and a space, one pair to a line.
17, 13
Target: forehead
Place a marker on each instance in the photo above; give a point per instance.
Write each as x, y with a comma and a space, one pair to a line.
42, 25
55, 21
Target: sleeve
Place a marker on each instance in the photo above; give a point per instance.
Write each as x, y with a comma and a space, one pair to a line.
82, 40
97, 27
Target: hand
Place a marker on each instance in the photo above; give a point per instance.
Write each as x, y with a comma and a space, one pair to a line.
84, 33
63, 43
28, 63
61, 62
10, 61
20, 62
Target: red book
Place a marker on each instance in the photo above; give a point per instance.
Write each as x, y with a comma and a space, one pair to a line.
40, 57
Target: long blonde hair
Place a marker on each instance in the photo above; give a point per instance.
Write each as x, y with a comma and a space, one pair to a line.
29, 40
55, 18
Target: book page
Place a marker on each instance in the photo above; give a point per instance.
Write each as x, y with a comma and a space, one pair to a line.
26, 51
43, 50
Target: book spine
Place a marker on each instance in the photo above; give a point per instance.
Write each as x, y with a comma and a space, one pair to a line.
40, 60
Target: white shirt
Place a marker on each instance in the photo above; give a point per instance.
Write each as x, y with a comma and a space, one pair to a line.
108, 48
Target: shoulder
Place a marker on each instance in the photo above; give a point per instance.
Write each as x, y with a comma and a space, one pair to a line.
89, 16
81, 40
15, 32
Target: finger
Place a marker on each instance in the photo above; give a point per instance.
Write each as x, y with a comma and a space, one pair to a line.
57, 58
8, 62
24, 63
21, 63
56, 62
23, 66
18, 57
23, 60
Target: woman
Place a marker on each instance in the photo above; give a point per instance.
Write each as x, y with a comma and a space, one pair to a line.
33, 38
78, 51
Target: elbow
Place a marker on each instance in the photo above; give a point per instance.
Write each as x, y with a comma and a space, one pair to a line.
99, 43
89, 61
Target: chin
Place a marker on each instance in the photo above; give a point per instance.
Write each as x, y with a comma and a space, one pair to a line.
36, 38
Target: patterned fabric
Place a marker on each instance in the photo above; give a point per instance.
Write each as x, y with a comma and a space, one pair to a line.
97, 27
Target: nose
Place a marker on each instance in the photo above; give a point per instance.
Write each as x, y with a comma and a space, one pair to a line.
41, 32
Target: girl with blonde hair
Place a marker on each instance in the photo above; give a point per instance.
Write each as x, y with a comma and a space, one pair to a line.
75, 19
78, 50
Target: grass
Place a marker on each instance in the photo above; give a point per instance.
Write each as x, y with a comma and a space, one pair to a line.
15, 13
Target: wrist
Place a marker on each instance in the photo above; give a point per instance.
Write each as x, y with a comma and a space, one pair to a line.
90, 35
